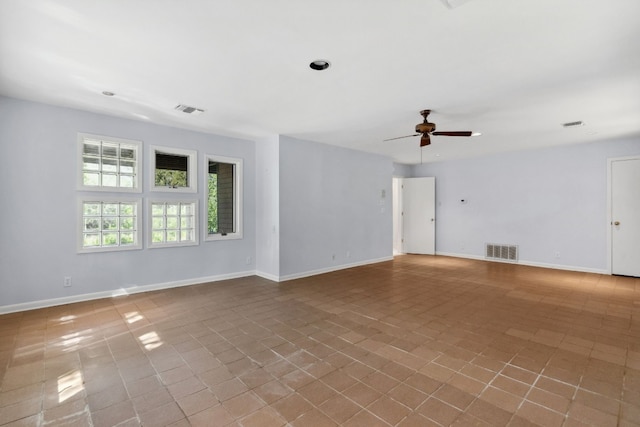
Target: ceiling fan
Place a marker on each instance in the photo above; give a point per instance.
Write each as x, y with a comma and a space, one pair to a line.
426, 129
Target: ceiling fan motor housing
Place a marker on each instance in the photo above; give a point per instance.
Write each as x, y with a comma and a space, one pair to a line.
425, 127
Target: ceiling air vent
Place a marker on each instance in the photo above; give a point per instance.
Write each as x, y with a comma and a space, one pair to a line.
571, 124
189, 110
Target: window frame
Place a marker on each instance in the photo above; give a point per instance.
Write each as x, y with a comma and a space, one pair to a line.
192, 169
149, 228
138, 224
237, 194
137, 188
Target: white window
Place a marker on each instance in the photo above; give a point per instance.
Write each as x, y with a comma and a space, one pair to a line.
173, 223
173, 169
109, 225
109, 164
224, 198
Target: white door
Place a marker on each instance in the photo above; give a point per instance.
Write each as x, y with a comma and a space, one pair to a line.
625, 217
419, 214
397, 216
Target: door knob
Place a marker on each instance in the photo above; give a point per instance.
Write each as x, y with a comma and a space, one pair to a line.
616, 223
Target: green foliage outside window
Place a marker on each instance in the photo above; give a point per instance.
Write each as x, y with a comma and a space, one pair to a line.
171, 178
212, 207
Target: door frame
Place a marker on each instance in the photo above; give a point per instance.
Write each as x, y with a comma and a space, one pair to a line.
399, 213
610, 207
398, 222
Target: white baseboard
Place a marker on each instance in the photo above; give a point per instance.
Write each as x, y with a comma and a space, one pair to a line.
32, 305
119, 292
268, 276
13, 308
332, 268
529, 263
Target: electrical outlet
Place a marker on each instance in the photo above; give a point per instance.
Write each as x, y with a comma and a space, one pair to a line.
333, 257
557, 254
348, 254
248, 260
67, 282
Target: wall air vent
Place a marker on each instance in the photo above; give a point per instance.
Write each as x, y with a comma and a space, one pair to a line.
189, 110
501, 252
571, 124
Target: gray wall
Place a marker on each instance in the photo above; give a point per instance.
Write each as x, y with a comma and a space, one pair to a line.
332, 211
547, 201
308, 208
38, 214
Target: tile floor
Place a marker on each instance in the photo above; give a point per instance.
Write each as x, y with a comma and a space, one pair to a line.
418, 341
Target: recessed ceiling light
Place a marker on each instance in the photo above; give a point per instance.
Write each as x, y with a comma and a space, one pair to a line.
476, 134
107, 93
319, 65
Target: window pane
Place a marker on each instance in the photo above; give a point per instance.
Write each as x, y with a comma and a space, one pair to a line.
172, 209
126, 223
169, 218
127, 238
126, 181
91, 240
171, 170
109, 149
91, 163
109, 239
221, 198
186, 222
127, 152
91, 148
157, 237
110, 224
91, 209
157, 223
109, 180
91, 179
157, 209
91, 224
186, 235
109, 165
172, 222
127, 209
127, 166
110, 209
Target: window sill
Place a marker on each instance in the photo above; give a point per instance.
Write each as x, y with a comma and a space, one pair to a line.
217, 237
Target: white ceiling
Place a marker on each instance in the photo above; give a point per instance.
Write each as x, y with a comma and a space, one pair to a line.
514, 70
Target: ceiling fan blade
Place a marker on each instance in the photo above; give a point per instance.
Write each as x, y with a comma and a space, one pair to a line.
425, 140
400, 137
453, 133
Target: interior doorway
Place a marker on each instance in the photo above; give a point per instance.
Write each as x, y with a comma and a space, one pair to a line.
414, 215
624, 214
